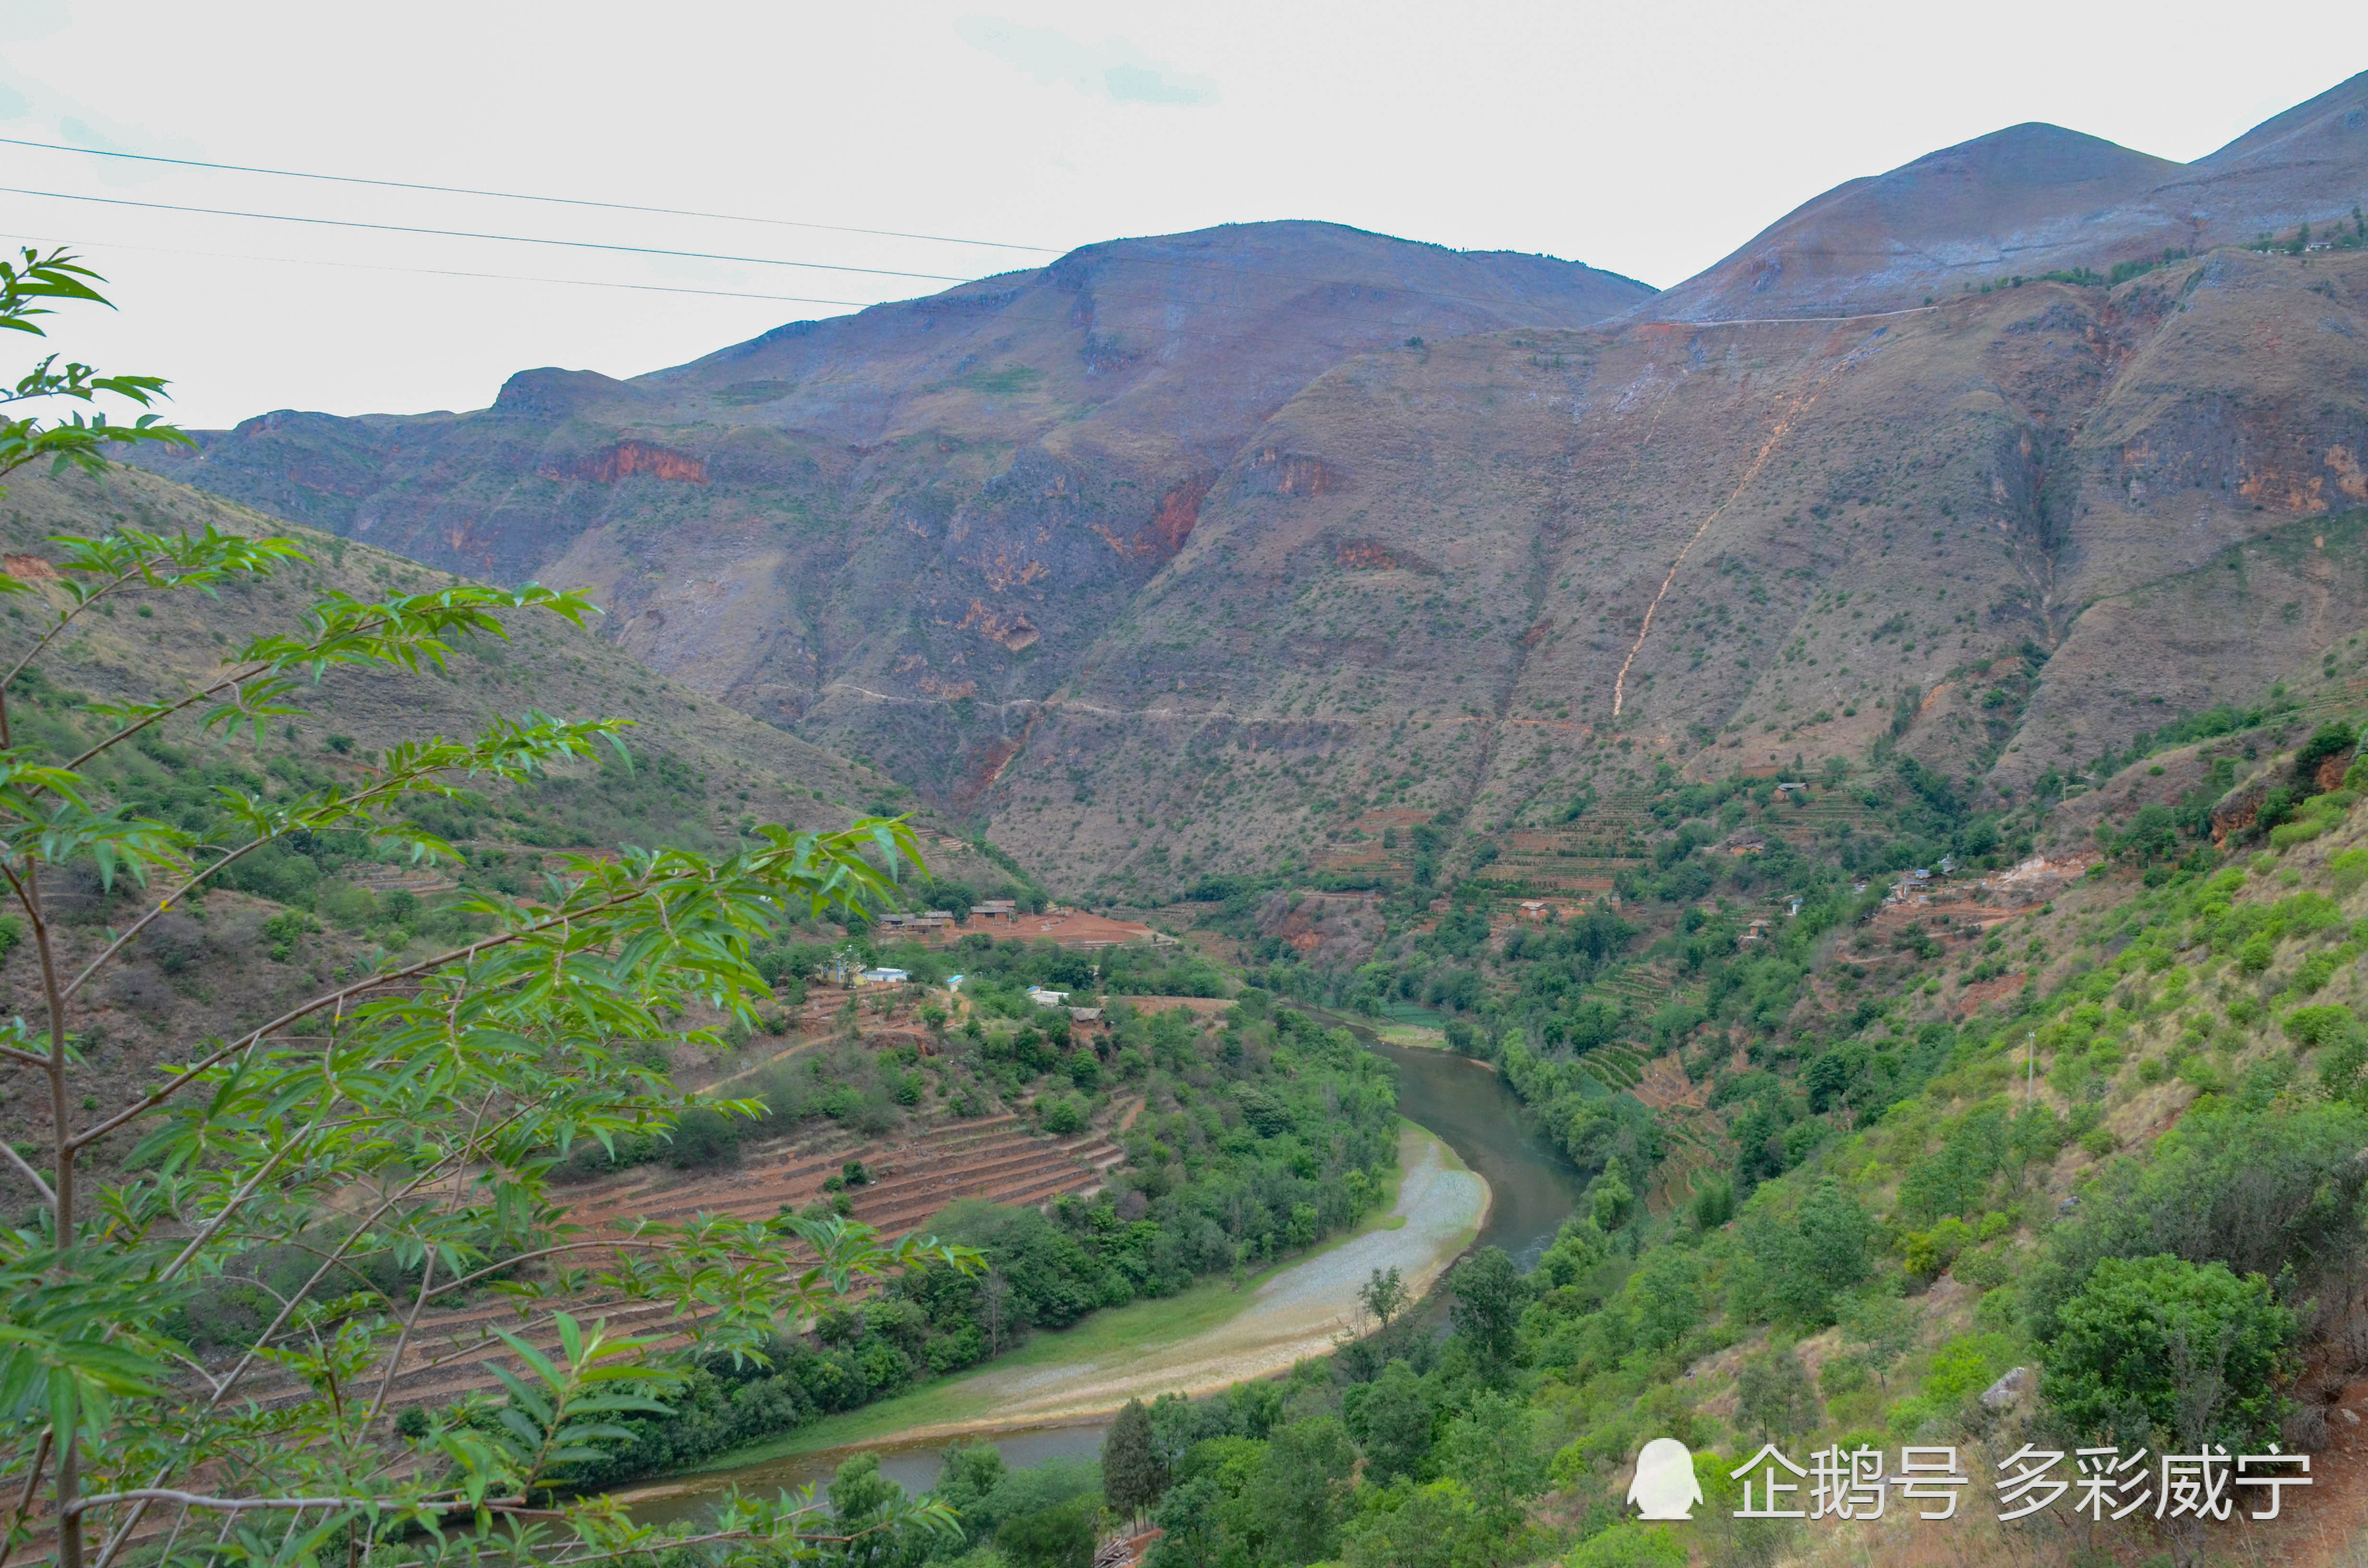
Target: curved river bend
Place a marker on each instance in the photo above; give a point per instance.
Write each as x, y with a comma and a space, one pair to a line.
1532, 1191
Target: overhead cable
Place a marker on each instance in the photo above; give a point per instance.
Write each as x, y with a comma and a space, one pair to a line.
521, 196
449, 272
471, 234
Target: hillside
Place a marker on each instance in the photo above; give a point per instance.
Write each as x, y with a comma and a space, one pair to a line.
1880, 1156
700, 774
1357, 528
852, 525
2012, 532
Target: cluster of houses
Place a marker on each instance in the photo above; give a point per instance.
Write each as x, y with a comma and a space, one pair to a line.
941, 922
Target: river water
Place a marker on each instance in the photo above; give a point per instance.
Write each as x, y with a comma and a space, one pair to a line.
1532, 1191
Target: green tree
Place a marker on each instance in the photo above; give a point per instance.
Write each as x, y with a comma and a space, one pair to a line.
1418, 1527
971, 1474
1384, 1295
446, 1088
1487, 1310
1880, 1329
1492, 1450
1391, 1418
27, 288
2332, 739
1133, 1474
1808, 1266
1058, 1537
1665, 1295
1772, 1396
2156, 1350
1610, 1199
1297, 1497
1191, 1526
865, 1508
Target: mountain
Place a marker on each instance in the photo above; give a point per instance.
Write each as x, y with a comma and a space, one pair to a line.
1192, 554
853, 523
2029, 200
701, 767
2003, 535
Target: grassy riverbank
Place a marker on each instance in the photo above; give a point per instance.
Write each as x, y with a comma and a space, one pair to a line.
1116, 1336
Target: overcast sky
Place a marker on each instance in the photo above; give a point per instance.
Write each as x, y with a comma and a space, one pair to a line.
1647, 139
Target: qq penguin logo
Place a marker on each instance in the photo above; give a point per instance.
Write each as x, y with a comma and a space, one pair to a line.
1666, 1486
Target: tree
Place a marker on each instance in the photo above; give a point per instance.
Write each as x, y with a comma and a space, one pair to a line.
1133, 1474
864, 1506
971, 1474
1058, 1537
2162, 1350
1772, 1395
1383, 1294
1487, 1307
1299, 1493
1610, 1199
1492, 1450
80, 441
1808, 1266
402, 1122
2329, 739
1881, 1329
1666, 1295
1391, 1418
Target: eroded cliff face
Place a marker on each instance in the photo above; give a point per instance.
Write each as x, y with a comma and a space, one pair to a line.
903, 528
2007, 532
1188, 555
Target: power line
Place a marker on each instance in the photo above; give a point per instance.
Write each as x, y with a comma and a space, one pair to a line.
520, 195
470, 234
448, 272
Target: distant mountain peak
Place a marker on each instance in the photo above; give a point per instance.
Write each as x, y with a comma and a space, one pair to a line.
2026, 200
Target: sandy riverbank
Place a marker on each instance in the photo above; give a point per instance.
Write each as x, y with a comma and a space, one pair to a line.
1180, 1346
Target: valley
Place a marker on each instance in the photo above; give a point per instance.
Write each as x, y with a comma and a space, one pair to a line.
1383, 873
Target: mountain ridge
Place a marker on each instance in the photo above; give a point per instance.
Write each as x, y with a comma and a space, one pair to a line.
2030, 200
1169, 556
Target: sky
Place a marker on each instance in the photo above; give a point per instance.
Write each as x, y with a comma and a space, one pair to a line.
1650, 140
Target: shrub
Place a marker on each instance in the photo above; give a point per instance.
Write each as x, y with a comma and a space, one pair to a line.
2312, 1028
1630, 1546
2261, 1191
2162, 1350
2332, 739
1968, 1365
283, 930
703, 1139
2294, 833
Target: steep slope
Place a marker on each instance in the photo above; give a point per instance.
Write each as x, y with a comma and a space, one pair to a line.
2028, 201
855, 522
730, 767
1183, 553
2008, 532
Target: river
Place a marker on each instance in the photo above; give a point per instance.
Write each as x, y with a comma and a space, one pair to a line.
1532, 1191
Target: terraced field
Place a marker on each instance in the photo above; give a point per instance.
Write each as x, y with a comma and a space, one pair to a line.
991, 1157
1372, 855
